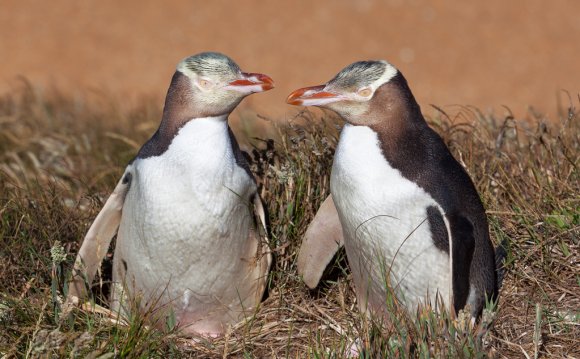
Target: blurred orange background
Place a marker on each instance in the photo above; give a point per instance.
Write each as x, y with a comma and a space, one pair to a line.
487, 54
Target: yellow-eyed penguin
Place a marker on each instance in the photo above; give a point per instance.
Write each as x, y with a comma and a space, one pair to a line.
411, 217
190, 242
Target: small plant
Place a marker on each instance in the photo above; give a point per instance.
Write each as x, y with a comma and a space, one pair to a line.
58, 256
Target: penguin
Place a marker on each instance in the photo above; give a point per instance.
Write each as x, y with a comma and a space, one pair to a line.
412, 222
189, 221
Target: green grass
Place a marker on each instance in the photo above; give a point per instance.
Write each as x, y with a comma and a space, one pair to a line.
60, 157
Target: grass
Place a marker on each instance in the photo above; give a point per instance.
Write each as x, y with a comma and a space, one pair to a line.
60, 157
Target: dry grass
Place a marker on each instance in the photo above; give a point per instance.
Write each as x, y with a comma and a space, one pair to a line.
60, 158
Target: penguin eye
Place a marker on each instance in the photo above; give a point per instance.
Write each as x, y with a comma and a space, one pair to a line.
205, 84
365, 92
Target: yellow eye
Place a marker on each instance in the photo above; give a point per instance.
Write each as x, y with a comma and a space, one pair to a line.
365, 92
204, 84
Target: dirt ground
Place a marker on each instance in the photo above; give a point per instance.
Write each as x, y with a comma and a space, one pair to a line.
488, 54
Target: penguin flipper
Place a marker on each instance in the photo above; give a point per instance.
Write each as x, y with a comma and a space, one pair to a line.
462, 246
97, 240
264, 255
322, 240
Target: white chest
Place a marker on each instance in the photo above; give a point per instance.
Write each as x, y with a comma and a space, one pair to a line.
384, 219
187, 211
197, 174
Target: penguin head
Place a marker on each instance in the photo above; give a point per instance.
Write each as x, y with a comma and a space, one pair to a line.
215, 84
350, 92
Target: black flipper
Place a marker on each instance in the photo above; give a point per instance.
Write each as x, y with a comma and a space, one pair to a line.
463, 246
438, 229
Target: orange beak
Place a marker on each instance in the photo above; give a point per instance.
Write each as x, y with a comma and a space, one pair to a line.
312, 96
252, 82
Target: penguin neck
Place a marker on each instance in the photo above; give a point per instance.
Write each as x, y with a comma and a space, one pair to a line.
179, 110
394, 112
180, 106
396, 118
402, 133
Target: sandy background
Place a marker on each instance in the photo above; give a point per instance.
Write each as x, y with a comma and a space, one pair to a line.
488, 54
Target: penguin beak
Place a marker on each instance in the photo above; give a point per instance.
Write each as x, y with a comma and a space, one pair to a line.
313, 96
251, 83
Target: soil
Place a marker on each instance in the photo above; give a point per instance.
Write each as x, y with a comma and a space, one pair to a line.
487, 54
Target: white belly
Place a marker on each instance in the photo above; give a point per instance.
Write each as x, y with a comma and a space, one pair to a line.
384, 219
184, 233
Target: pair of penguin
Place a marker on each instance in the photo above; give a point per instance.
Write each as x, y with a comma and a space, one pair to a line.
190, 223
